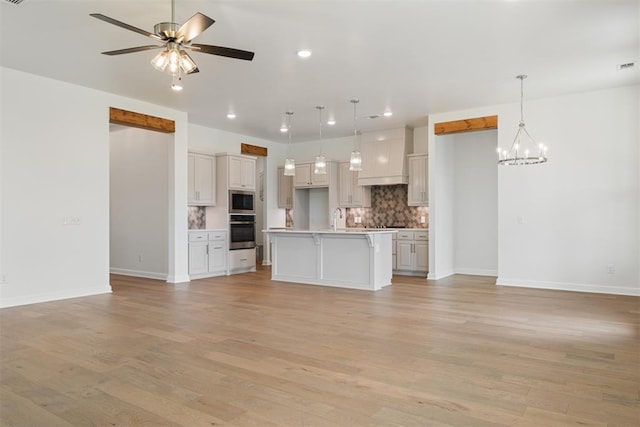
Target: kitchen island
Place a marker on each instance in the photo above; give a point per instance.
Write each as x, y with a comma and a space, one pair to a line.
348, 258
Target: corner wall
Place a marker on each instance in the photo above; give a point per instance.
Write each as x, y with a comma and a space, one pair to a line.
55, 169
579, 212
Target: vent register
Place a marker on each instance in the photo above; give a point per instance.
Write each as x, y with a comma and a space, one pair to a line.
14, 1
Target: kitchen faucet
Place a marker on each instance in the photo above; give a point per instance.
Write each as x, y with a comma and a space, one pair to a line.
334, 226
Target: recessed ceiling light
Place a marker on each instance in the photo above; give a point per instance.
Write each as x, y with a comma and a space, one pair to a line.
304, 53
331, 122
388, 114
231, 116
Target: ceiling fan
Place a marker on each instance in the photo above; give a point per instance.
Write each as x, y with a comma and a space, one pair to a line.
175, 38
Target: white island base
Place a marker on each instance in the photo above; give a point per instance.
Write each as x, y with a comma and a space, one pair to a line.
346, 259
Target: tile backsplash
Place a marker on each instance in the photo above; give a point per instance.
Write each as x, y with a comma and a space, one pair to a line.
389, 208
196, 216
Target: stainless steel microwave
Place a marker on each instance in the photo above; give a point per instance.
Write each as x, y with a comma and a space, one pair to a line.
242, 202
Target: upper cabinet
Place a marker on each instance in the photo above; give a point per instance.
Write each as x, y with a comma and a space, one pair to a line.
305, 177
201, 180
242, 173
418, 194
350, 194
384, 156
285, 190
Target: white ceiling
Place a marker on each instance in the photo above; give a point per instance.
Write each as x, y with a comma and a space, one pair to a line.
412, 57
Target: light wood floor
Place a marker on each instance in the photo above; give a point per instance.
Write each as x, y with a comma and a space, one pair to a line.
243, 350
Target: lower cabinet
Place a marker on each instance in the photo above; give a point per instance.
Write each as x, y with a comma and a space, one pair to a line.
207, 253
412, 252
242, 260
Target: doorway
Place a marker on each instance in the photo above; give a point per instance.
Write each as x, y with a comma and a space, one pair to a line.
466, 204
138, 201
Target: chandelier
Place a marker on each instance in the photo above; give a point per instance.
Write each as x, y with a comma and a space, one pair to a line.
524, 150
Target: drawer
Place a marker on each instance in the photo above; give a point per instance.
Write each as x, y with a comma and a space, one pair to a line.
197, 236
405, 235
421, 235
217, 235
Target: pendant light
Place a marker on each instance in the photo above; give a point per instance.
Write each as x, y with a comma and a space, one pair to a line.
289, 162
523, 148
320, 166
355, 163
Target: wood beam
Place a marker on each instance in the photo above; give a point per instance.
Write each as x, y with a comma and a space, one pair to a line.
254, 150
143, 121
467, 125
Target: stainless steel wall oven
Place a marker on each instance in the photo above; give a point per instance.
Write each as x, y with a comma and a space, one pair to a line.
242, 231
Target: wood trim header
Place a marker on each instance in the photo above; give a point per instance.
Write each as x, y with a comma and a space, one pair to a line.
254, 150
466, 125
138, 120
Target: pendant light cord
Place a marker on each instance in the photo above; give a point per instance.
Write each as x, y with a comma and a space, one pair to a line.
522, 77
289, 113
320, 108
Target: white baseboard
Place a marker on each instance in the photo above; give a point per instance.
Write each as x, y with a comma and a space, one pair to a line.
138, 273
477, 272
54, 296
575, 287
178, 279
266, 262
434, 276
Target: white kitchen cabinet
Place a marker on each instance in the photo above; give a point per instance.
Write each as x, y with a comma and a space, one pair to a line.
350, 194
305, 178
242, 173
201, 185
242, 260
412, 252
418, 194
285, 190
207, 253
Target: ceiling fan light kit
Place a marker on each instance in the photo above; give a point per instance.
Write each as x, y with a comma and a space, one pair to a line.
175, 38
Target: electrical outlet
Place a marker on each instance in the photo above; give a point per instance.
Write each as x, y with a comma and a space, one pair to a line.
3, 278
140, 258
520, 219
423, 219
611, 269
358, 219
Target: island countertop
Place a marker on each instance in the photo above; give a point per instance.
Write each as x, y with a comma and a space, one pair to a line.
330, 231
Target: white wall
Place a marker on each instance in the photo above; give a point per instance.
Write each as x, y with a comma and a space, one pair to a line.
55, 165
580, 210
442, 218
138, 203
475, 198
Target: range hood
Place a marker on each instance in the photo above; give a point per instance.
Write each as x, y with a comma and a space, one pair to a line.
384, 157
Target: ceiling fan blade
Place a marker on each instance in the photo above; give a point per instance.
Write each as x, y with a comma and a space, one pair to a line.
196, 70
222, 51
193, 27
125, 26
131, 50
